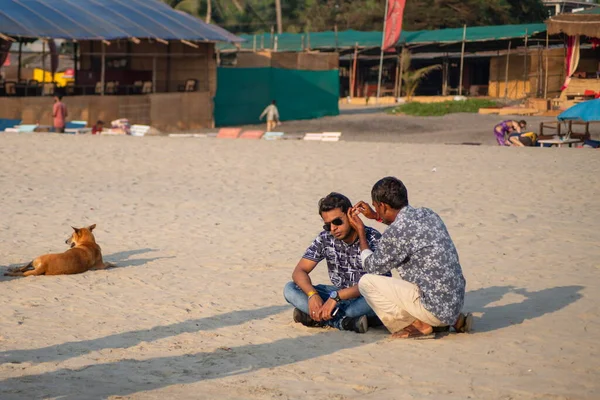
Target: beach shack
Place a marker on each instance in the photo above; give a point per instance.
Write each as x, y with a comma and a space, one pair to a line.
140, 60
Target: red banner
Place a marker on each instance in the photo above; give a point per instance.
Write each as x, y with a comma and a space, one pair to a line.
393, 23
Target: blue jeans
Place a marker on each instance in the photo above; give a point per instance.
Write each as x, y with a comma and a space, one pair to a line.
351, 308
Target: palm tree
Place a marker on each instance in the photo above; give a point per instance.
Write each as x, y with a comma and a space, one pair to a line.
412, 78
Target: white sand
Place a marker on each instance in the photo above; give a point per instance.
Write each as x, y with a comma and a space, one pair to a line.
206, 233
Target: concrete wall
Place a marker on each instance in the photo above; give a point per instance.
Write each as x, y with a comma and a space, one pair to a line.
168, 112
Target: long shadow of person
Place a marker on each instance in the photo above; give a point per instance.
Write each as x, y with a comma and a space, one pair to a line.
124, 340
535, 304
126, 377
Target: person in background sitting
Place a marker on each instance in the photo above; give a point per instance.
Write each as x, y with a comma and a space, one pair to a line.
505, 129
97, 129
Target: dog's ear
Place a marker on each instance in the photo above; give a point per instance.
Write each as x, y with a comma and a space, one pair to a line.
75, 229
91, 227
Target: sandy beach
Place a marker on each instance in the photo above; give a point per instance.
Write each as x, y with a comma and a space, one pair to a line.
205, 233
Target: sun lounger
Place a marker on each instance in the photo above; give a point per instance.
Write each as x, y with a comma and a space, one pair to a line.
75, 125
188, 135
8, 123
331, 136
139, 130
313, 137
26, 128
229, 133
273, 135
78, 131
252, 135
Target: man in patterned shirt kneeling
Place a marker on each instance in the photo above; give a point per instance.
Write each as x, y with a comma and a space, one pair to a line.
431, 289
339, 305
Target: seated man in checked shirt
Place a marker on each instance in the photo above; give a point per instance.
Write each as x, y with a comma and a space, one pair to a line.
339, 305
431, 289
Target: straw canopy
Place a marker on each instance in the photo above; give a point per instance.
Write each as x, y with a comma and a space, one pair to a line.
104, 20
575, 24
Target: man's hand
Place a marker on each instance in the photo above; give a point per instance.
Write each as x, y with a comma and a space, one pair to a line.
355, 221
366, 210
327, 309
315, 303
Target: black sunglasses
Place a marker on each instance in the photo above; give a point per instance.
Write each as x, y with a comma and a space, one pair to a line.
337, 222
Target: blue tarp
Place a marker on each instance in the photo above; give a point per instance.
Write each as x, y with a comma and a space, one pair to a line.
586, 111
104, 20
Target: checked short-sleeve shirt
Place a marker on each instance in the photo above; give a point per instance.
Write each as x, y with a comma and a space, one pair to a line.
343, 260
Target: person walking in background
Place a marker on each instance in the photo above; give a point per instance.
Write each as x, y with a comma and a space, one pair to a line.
59, 113
272, 114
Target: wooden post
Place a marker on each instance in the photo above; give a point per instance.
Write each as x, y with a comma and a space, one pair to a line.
381, 54
276, 43
397, 76
401, 71
20, 54
302, 39
102, 66
254, 43
353, 83
168, 66
335, 32
525, 71
462, 60
154, 74
445, 76
546, 82
262, 41
43, 65
75, 61
272, 37
506, 72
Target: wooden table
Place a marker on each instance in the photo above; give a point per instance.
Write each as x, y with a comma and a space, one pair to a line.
558, 142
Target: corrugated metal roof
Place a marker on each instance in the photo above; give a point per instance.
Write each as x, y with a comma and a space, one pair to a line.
104, 20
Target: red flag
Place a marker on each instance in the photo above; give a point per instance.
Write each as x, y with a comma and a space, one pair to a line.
393, 23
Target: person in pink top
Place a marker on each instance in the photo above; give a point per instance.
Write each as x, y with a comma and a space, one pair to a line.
59, 112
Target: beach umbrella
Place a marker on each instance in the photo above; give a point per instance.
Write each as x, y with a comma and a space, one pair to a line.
586, 111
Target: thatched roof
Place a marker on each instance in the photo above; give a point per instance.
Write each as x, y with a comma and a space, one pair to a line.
575, 24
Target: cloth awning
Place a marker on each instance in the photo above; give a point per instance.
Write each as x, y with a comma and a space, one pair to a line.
348, 39
575, 24
104, 20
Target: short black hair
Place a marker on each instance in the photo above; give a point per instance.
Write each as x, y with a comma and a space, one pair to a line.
58, 96
334, 200
99, 122
522, 123
391, 191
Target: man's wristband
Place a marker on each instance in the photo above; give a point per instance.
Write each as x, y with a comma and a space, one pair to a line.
311, 293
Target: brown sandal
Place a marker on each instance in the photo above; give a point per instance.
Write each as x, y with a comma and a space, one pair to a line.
464, 323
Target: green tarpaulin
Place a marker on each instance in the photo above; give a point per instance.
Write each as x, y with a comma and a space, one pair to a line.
243, 93
348, 39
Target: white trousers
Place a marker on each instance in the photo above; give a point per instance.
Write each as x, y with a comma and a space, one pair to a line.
396, 302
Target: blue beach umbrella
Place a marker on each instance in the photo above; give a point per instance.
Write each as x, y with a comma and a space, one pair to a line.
586, 111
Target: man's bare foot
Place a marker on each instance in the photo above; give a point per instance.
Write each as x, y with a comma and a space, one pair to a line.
415, 330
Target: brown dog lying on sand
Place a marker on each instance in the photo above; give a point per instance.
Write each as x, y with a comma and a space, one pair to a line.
83, 255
